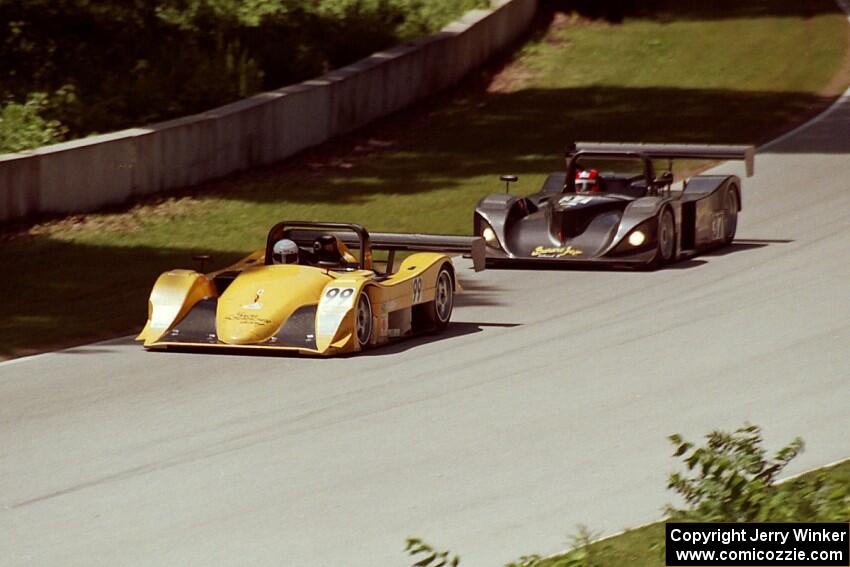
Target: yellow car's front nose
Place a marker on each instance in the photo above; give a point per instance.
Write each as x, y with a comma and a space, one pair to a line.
253, 308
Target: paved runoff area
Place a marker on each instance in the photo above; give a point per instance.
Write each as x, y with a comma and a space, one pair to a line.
546, 404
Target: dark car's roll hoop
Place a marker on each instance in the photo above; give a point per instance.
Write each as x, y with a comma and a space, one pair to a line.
649, 152
572, 164
303, 232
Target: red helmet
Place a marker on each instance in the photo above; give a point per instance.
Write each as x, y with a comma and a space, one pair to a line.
586, 181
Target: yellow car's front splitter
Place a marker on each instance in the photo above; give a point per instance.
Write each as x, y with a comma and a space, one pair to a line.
187, 346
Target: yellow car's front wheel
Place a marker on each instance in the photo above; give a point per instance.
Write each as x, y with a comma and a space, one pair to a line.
363, 320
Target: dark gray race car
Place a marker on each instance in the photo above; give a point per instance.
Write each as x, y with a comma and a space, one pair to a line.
626, 216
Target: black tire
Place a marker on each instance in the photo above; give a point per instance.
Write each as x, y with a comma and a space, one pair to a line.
665, 236
730, 220
435, 315
363, 320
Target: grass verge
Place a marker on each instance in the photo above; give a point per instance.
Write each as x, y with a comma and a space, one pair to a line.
732, 73
642, 547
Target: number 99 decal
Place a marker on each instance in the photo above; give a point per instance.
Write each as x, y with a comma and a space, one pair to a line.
717, 225
339, 293
417, 290
338, 297
335, 303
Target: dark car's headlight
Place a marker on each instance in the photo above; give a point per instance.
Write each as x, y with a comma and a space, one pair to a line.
489, 235
639, 239
636, 238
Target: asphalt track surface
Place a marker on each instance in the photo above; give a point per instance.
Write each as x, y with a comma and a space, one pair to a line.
546, 404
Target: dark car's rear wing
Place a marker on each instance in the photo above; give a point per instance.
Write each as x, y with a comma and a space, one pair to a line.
355, 236
674, 151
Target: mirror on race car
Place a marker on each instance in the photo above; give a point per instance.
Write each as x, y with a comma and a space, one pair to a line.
202, 260
665, 179
508, 179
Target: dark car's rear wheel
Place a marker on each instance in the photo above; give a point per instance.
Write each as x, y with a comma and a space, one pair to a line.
730, 216
665, 234
435, 315
363, 320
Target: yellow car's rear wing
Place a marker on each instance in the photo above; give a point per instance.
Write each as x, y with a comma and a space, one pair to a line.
397, 241
674, 151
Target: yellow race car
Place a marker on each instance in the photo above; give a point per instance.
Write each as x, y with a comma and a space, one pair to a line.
314, 289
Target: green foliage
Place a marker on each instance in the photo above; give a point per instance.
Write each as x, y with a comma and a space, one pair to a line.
427, 556
582, 553
426, 16
23, 127
731, 479
131, 62
820, 495
526, 561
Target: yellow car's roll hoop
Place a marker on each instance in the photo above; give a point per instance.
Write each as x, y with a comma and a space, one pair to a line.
355, 235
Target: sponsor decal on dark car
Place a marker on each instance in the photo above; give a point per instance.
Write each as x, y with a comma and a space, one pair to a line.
555, 252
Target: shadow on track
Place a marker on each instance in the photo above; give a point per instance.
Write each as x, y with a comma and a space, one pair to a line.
458, 329
479, 293
743, 245
687, 263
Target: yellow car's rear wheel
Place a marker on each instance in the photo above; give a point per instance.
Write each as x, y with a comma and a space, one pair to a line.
435, 315
363, 320
443, 298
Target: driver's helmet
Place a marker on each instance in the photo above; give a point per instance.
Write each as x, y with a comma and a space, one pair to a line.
587, 181
285, 251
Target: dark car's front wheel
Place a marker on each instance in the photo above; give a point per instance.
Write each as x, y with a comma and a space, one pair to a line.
730, 216
665, 235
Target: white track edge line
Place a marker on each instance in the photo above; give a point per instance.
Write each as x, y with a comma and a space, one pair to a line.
60, 351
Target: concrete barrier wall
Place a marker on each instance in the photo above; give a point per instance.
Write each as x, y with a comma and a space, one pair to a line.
83, 175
